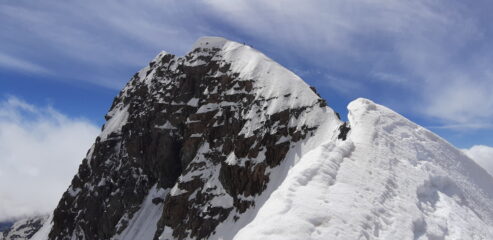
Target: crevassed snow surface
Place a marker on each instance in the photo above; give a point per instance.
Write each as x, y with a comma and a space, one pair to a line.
391, 179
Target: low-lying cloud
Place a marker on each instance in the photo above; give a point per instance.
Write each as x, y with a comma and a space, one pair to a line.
482, 155
40, 150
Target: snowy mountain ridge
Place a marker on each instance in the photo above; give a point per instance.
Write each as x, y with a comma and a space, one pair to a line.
391, 179
224, 143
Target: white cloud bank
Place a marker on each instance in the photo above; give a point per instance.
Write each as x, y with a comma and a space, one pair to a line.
482, 155
40, 151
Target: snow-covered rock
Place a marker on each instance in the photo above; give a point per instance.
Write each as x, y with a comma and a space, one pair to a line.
211, 132
24, 229
224, 143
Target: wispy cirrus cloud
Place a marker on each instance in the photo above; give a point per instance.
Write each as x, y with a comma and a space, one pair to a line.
10, 62
102, 42
430, 58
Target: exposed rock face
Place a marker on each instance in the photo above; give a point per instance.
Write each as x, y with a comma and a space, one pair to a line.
208, 127
23, 229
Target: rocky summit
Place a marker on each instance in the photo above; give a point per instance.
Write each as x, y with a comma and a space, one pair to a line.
196, 136
224, 143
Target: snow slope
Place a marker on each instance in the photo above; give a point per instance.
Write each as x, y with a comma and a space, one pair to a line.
42, 233
144, 223
391, 179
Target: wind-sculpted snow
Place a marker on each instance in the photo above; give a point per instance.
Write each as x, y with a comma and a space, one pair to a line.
298, 208
391, 179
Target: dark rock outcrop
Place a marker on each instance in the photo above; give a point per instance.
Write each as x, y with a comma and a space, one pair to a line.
343, 131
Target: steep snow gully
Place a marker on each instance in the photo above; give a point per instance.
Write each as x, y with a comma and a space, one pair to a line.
260, 155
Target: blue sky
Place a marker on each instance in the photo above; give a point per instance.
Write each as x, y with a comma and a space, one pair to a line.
428, 60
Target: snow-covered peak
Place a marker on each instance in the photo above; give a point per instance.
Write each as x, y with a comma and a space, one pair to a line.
272, 79
174, 125
159, 56
210, 42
